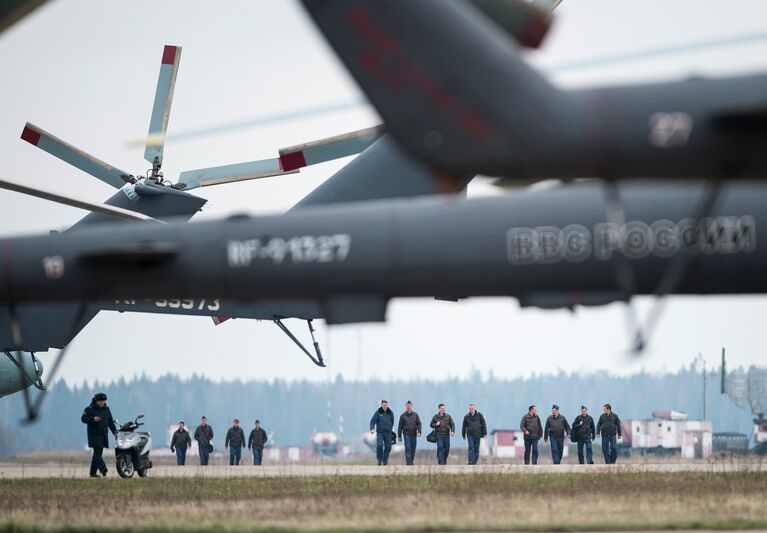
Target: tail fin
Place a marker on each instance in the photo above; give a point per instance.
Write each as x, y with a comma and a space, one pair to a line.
382, 171
448, 82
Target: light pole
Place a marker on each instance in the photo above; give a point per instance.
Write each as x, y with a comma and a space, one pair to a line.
702, 361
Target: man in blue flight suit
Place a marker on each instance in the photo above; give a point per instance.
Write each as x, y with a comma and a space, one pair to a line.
99, 419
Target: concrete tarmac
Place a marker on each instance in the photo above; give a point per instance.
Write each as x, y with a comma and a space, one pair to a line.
72, 471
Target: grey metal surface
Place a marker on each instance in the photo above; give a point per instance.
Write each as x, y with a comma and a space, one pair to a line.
455, 92
556, 246
382, 171
45, 327
11, 378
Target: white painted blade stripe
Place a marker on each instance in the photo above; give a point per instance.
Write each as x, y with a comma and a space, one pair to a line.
74, 156
163, 98
205, 177
311, 153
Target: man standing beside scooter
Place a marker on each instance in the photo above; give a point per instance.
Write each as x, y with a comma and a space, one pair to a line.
99, 419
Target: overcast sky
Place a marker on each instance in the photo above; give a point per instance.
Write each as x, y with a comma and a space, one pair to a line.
86, 70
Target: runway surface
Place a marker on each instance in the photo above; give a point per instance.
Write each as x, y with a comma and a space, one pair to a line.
21, 471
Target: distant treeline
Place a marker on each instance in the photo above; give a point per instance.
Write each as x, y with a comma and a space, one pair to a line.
294, 410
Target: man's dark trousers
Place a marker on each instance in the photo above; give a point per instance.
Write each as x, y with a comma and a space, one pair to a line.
258, 455
383, 447
557, 447
180, 456
610, 449
589, 454
204, 455
443, 449
235, 454
531, 445
411, 441
473, 449
97, 461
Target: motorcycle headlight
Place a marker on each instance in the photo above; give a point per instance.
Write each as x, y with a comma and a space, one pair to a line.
126, 441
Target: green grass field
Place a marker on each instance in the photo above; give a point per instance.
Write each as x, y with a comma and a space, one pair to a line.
599, 501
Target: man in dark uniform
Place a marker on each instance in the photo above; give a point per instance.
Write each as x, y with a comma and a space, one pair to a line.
180, 443
235, 440
557, 428
532, 430
583, 434
99, 419
609, 427
256, 442
382, 425
443, 425
409, 429
474, 429
204, 436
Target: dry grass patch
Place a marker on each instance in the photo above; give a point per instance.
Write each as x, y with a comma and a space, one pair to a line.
589, 501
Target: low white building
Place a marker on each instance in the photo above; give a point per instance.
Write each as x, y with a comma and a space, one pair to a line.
669, 431
510, 444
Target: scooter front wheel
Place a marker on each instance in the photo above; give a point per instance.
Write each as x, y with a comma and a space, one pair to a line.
125, 466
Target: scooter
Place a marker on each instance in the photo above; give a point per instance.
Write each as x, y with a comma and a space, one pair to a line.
132, 449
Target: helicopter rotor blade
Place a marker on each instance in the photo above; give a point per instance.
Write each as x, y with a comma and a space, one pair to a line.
102, 209
74, 156
158, 123
575, 65
255, 122
328, 149
290, 161
205, 177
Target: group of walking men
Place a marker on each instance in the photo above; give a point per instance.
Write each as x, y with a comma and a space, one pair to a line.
409, 429
234, 441
474, 428
99, 421
582, 432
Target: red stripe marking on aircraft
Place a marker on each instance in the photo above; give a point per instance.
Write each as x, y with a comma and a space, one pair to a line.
372, 62
30, 135
218, 319
406, 73
474, 124
367, 26
168, 55
292, 161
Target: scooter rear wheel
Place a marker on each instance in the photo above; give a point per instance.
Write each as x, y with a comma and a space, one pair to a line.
125, 466
142, 472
